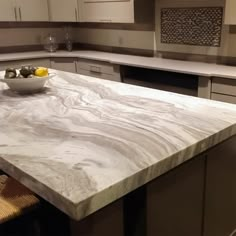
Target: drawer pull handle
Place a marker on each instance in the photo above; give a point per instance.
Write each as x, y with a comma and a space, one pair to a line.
15, 13
106, 20
95, 69
76, 15
20, 14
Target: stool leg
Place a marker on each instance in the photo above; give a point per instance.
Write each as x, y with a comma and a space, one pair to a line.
37, 228
27, 225
52, 221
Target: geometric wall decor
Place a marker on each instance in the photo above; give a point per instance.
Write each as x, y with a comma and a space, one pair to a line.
200, 26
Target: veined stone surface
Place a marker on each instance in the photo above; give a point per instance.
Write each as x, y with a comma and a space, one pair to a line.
84, 142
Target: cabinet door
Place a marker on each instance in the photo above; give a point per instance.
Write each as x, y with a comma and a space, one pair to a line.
7, 10
175, 201
63, 10
32, 10
107, 11
220, 203
230, 16
64, 64
106, 222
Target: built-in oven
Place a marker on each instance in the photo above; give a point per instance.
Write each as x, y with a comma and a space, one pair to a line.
163, 80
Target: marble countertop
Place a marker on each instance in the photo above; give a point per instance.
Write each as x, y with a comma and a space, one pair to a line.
187, 67
84, 142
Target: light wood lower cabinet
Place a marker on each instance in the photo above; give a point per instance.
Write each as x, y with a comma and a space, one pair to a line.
224, 86
224, 90
18, 64
175, 201
204, 87
98, 69
64, 64
223, 98
220, 203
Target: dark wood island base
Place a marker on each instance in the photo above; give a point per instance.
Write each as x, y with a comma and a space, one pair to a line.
197, 198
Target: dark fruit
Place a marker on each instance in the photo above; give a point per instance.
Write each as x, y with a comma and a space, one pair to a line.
20, 76
33, 69
25, 71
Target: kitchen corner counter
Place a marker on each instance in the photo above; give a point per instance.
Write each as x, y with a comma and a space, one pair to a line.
178, 66
84, 142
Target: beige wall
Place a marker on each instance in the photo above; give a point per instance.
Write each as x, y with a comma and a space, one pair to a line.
116, 38
228, 45
27, 36
102, 37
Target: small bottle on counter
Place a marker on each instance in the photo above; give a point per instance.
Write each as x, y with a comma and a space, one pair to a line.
68, 39
69, 45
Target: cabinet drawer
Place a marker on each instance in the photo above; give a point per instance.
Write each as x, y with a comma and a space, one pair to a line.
95, 66
223, 98
64, 64
18, 64
224, 86
98, 75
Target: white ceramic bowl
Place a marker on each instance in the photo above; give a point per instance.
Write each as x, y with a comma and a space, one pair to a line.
27, 85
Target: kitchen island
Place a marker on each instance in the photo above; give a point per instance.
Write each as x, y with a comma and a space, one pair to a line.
85, 143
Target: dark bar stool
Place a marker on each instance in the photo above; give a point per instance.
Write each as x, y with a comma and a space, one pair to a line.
15, 200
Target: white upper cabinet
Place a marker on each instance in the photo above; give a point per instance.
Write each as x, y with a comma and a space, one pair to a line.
32, 10
63, 10
24, 10
7, 10
113, 11
230, 12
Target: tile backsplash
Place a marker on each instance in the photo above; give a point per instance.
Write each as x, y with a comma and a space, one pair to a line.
200, 26
220, 42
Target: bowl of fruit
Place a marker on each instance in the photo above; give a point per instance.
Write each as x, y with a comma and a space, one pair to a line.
28, 79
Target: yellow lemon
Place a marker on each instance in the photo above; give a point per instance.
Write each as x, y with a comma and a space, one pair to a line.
41, 72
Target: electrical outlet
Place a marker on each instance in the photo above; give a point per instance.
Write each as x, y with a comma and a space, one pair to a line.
39, 39
120, 41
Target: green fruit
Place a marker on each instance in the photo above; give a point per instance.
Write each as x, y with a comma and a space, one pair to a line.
11, 70
10, 75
